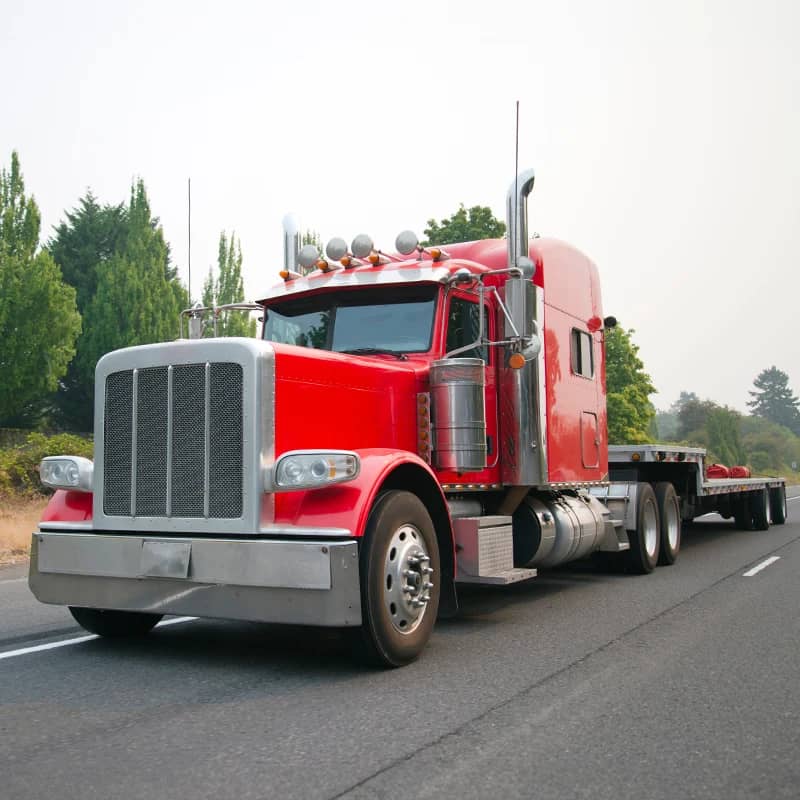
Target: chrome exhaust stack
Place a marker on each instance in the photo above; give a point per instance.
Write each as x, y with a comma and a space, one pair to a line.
291, 242
517, 216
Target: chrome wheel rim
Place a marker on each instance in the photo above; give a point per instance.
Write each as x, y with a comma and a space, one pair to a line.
650, 525
670, 526
407, 579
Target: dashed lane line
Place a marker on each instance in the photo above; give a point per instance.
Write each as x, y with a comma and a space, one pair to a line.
758, 567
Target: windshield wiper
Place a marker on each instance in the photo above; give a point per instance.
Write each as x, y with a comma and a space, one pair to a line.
371, 351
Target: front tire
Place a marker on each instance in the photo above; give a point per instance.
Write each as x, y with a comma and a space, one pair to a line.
645, 541
669, 512
400, 580
114, 624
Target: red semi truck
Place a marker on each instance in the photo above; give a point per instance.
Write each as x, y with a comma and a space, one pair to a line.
405, 423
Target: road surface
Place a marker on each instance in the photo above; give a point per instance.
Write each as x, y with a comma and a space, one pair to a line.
683, 683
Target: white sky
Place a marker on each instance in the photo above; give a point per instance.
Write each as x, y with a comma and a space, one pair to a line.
665, 136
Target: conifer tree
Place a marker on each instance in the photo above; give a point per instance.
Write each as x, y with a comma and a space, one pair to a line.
228, 288
38, 317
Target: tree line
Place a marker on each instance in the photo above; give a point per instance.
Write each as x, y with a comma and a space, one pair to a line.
103, 280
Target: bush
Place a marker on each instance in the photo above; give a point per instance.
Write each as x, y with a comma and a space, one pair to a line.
19, 466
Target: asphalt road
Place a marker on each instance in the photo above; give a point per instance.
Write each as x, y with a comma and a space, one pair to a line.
683, 683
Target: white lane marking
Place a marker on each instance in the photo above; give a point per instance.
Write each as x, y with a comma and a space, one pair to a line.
13, 580
796, 497
758, 567
79, 640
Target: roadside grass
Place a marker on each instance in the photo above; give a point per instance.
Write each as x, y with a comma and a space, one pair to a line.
19, 515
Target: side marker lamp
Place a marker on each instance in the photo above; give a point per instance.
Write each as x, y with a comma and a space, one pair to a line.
67, 472
309, 469
516, 361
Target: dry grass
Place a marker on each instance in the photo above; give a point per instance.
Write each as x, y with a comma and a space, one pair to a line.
18, 519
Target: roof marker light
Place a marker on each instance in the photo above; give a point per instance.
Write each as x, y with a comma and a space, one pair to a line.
406, 242
362, 246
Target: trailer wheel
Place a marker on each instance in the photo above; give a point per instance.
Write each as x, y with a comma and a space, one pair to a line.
669, 512
777, 505
645, 540
114, 624
400, 580
743, 513
759, 508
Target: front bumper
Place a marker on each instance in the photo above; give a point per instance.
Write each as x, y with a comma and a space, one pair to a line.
284, 581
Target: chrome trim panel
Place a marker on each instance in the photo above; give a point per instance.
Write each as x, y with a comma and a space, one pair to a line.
66, 526
251, 590
257, 359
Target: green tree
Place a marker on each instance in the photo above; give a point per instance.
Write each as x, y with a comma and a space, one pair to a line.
138, 297
466, 225
228, 288
693, 415
628, 390
724, 439
773, 399
90, 236
38, 317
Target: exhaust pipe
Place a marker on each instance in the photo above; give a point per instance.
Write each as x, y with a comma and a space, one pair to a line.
291, 242
517, 216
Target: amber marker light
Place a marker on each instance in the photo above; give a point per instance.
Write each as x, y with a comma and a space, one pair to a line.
636, 457
374, 258
516, 361
284, 273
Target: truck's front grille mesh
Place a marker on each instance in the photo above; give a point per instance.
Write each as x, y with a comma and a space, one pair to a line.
182, 427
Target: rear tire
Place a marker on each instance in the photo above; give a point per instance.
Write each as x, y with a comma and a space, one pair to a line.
777, 505
743, 513
759, 508
669, 513
400, 580
645, 541
115, 624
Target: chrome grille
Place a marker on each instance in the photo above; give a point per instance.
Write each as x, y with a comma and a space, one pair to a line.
173, 442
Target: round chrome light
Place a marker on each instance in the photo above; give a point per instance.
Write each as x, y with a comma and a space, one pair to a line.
336, 249
308, 256
406, 242
362, 245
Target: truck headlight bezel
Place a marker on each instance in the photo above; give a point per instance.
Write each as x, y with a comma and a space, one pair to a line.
73, 473
312, 469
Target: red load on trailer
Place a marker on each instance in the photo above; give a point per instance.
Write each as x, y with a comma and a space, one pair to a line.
718, 471
740, 472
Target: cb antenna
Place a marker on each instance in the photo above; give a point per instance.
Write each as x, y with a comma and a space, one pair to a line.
190, 241
516, 183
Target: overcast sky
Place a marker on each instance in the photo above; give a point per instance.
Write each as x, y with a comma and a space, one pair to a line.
665, 138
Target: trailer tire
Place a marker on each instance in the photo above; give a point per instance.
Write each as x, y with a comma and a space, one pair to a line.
759, 508
743, 513
115, 624
669, 513
398, 548
777, 505
645, 540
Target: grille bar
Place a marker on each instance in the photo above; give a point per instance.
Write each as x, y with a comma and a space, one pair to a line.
134, 440
170, 395
207, 442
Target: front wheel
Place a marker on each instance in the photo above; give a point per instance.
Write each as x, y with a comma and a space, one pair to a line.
114, 624
400, 580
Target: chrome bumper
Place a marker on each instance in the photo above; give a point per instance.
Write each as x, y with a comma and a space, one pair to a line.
302, 583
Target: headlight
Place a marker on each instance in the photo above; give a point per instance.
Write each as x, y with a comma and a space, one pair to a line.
304, 469
67, 472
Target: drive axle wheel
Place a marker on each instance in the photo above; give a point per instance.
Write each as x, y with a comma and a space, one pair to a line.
400, 580
114, 624
645, 541
669, 511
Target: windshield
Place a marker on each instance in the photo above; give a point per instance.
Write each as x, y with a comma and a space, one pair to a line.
396, 319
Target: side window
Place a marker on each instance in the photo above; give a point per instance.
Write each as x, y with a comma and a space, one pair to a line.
582, 360
462, 328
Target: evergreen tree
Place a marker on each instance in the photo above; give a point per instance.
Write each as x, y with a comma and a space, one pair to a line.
773, 399
724, 438
138, 297
466, 225
38, 317
628, 388
90, 237
228, 288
